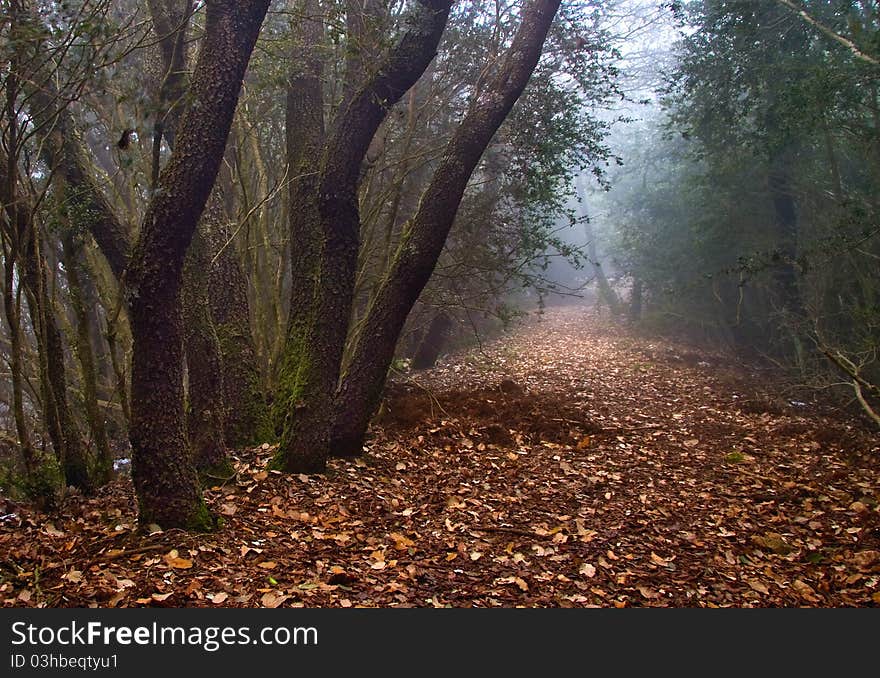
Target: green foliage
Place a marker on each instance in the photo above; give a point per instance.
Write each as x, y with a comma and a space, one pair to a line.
42, 485
764, 169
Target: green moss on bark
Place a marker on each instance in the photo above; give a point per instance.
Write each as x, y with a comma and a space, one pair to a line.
247, 418
217, 472
200, 519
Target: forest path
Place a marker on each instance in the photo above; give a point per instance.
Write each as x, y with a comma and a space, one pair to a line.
568, 463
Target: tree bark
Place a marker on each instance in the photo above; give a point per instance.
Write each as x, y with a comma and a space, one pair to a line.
62, 426
329, 222
432, 343
245, 419
13, 319
223, 327
103, 467
164, 476
360, 393
205, 406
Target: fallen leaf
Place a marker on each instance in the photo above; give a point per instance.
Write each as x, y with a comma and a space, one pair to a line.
773, 541
452, 501
267, 564
74, 576
865, 560
758, 586
588, 570
218, 598
805, 591
272, 599
173, 560
648, 593
401, 543
659, 560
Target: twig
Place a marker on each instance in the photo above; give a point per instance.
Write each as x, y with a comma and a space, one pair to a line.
511, 530
118, 553
624, 429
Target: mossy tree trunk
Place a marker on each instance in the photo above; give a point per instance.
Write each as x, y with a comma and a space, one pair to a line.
360, 393
233, 412
60, 422
245, 416
12, 309
329, 221
103, 465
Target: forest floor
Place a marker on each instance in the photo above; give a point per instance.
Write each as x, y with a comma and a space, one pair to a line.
569, 463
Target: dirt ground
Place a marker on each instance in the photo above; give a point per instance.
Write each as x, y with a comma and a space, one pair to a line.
569, 463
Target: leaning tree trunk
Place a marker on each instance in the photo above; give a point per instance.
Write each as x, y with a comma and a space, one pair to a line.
317, 333
164, 475
361, 390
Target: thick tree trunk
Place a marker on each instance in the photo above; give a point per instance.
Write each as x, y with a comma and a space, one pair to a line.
216, 316
787, 235
793, 315
360, 392
164, 475
330, 217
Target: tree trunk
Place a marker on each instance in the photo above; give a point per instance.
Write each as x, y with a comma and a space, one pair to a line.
63, 428
13, 319
206, 407
793, 314
329, 217
606, 292
246, 420
635, 300
164, 475
433, 341
103, 467
787, 236
360, 392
